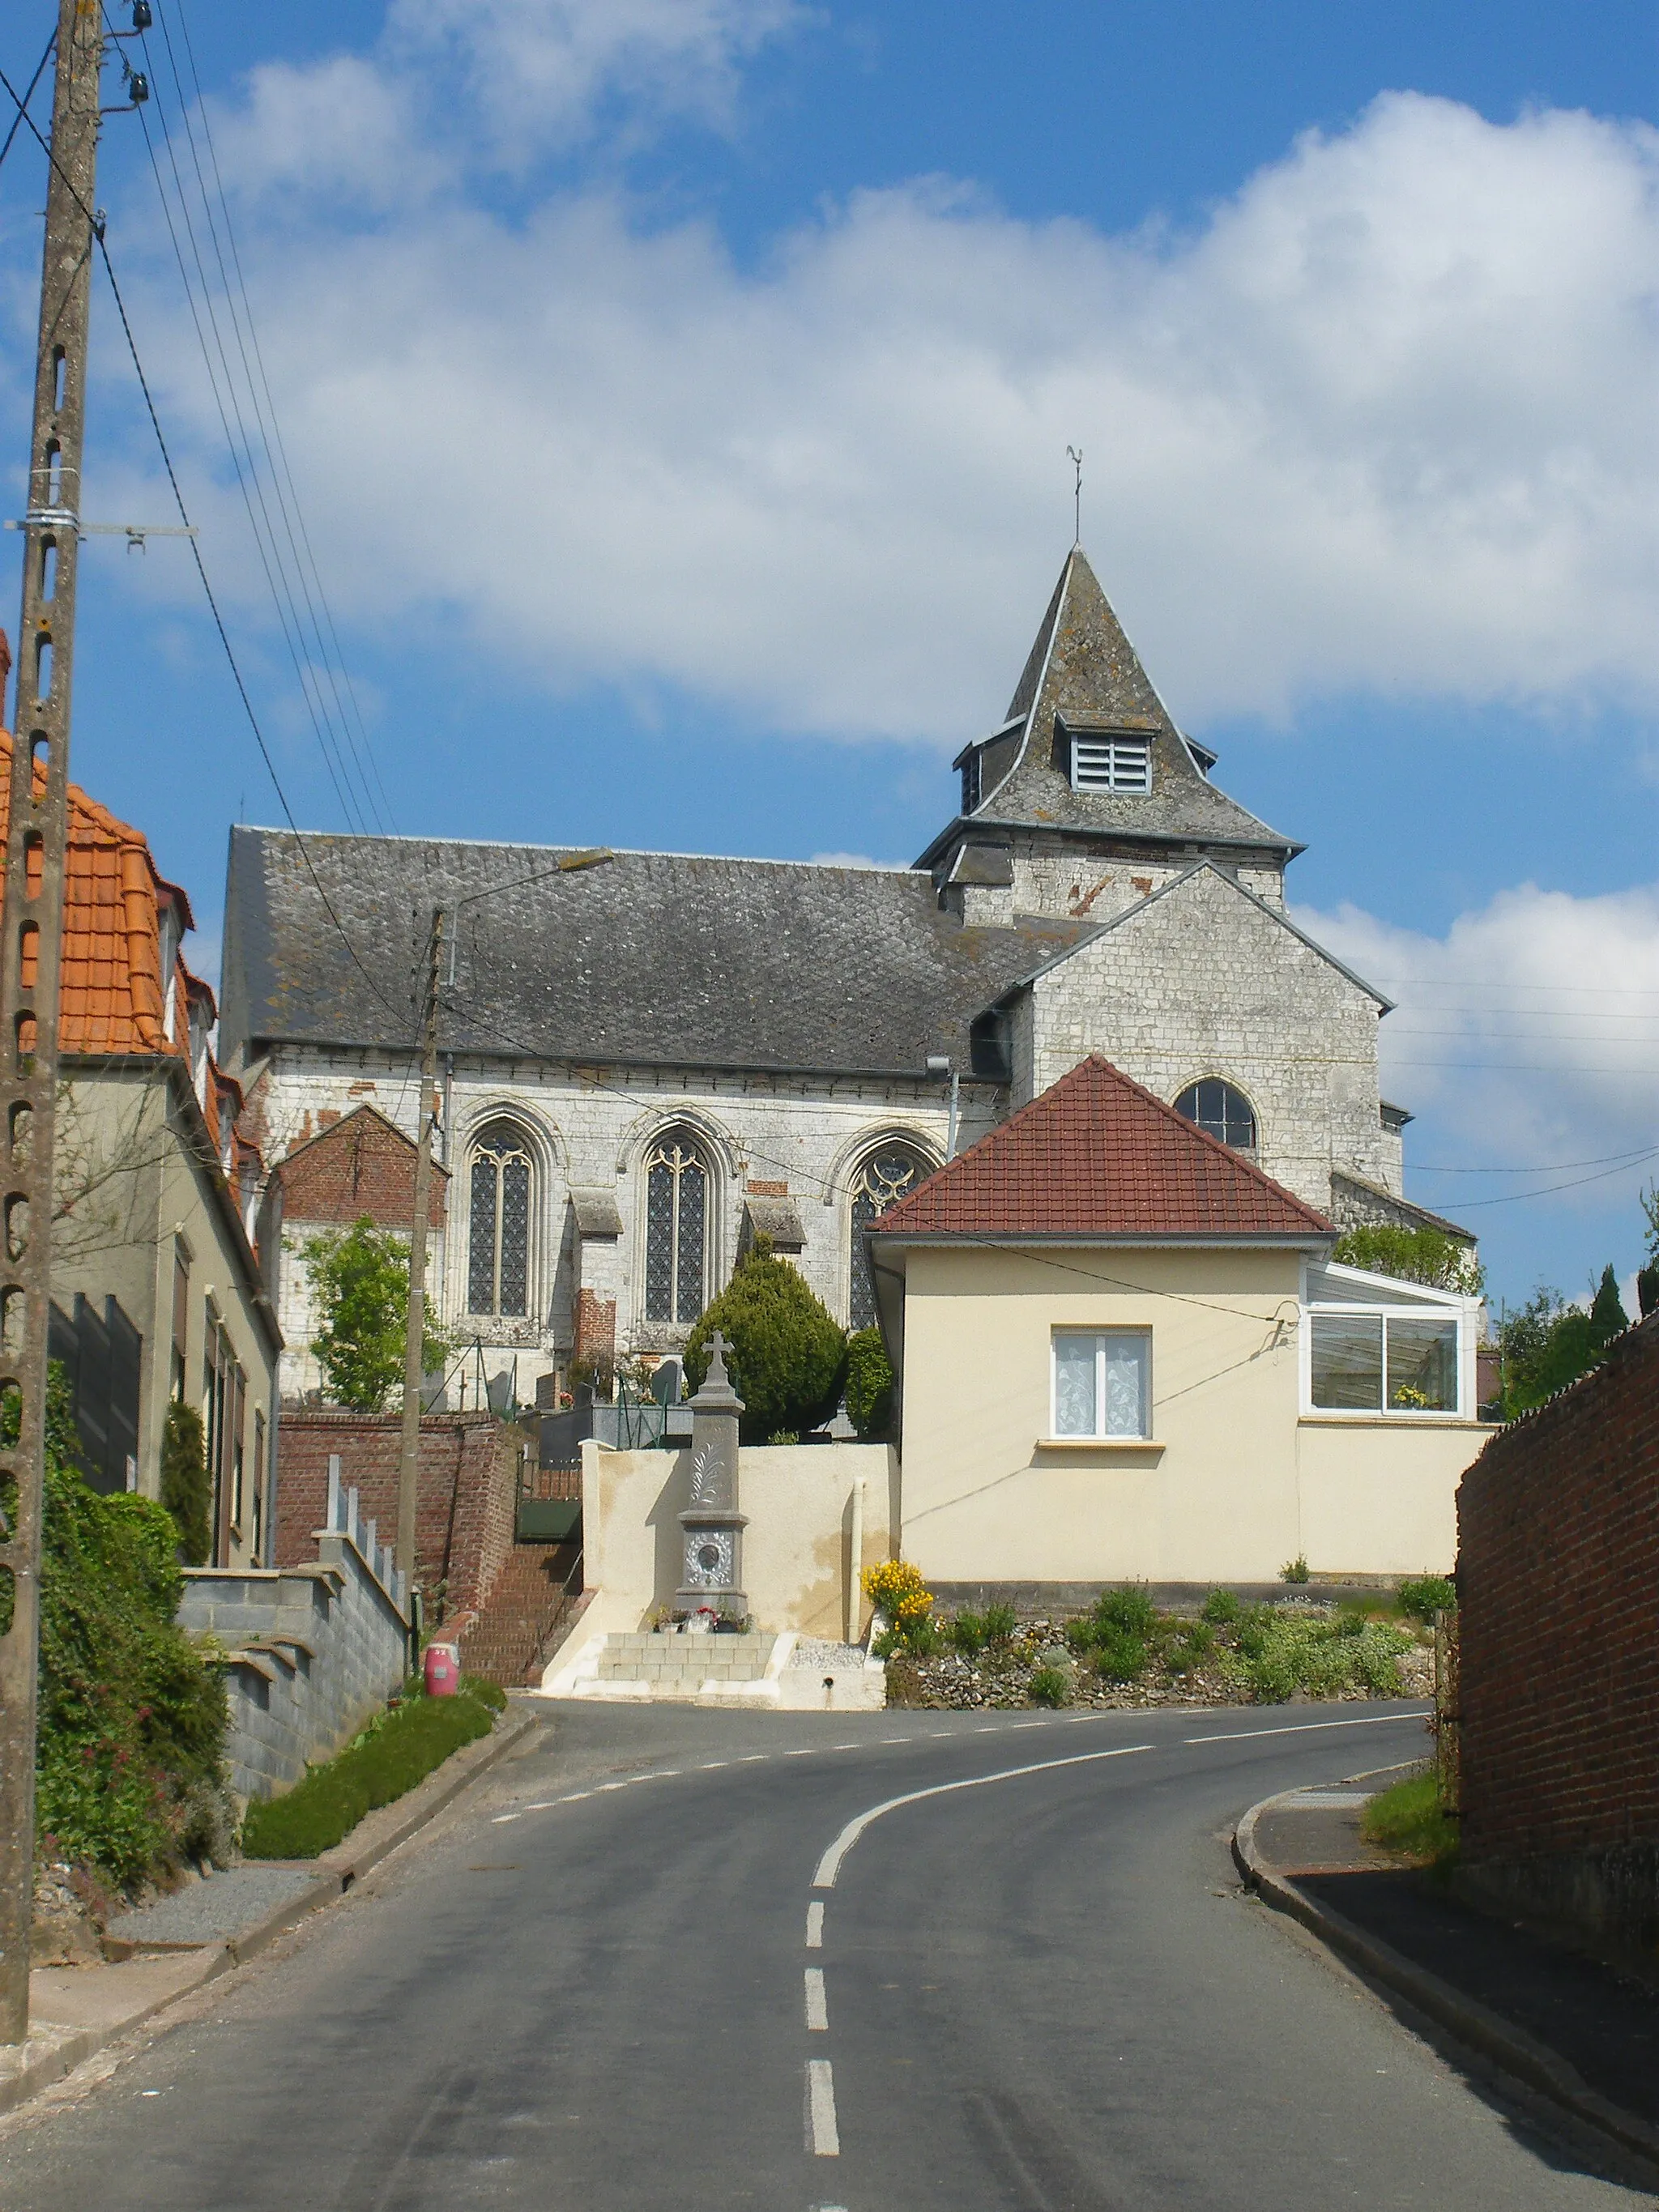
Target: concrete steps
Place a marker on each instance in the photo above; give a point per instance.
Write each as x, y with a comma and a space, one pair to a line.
508, 1642
667, 1664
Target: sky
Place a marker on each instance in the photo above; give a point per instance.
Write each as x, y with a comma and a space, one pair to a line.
653, 414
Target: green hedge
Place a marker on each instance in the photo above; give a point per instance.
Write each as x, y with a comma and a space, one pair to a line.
398, 1748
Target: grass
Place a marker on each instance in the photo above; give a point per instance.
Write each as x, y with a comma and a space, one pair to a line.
1410, 1820
398, 1748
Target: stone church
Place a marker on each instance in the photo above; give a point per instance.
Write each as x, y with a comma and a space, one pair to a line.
648, 1059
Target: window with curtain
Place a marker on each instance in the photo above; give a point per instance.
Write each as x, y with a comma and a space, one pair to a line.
1101, 1382
498, 1249
881, 1181
676, 1229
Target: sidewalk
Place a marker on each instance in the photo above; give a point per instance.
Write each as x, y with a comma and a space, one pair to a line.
1577, 2032
173, 1946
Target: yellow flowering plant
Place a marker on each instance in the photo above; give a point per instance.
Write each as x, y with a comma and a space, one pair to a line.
895, 1588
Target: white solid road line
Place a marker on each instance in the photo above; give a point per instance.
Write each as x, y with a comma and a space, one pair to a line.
829, 1864
822, 2137
1305, 1728
818, 2002
815, 1925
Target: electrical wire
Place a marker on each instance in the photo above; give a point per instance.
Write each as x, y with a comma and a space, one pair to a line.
22, 114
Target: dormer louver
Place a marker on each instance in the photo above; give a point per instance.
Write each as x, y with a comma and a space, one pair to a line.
1102, 760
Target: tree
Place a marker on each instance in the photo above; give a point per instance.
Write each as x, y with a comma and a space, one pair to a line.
1548, 1344
869, 1386
1647, 1279
789, 1351
360, 1278
1412, 1255
186, 1486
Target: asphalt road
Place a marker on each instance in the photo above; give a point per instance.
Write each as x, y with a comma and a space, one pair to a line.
658, 1964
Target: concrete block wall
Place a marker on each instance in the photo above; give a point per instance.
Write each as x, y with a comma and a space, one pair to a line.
1558, 1583
318, 1648
468, 1495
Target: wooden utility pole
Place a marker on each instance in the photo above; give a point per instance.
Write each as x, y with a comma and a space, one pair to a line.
31, 931
409, 1458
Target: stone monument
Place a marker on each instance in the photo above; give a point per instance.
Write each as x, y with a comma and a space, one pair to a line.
712, 1526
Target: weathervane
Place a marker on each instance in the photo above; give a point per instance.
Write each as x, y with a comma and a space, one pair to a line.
1074, 455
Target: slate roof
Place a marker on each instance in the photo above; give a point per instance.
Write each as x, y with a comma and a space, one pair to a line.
662, 958
1095, 1155
1083, 673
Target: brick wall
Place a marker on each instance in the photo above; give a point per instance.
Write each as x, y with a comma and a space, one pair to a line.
468, 1493
1559, 1570
361, 1165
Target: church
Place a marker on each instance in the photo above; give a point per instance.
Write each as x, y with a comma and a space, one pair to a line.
648, 1059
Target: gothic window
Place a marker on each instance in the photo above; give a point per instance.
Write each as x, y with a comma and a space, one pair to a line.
676, 1229
1220, 1111
880, 1182
498, 1251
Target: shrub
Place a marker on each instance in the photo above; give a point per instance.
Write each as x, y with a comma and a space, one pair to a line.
1002, 1623
186, 1485
894, 1587
1221, 1608
1080, 1632
1129, 1608
1283, 1652
132, 1717
1049, 1686
1412, 1255
968, 1633
1120, 1655
788, 1352
360, 1278
1425, 1595
869, 1386
398, 1748
1188, 1646
1295, 1569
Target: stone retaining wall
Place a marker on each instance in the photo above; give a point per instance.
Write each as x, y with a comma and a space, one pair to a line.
318, 1646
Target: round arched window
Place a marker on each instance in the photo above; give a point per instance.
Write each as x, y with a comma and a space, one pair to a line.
1220, 1111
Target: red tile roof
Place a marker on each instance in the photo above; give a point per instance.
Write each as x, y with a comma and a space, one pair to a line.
1097, 1156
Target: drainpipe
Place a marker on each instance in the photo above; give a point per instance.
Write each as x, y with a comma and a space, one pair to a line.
854, 1559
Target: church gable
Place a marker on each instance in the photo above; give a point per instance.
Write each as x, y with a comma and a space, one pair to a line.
1203, 981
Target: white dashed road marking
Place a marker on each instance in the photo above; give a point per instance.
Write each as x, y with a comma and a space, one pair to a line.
823, 2139
829, 1864
815, 1925
818, 2004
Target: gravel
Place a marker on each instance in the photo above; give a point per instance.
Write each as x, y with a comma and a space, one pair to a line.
816, 1652
213, 1911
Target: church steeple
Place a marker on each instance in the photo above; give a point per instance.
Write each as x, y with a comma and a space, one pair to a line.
1089, 754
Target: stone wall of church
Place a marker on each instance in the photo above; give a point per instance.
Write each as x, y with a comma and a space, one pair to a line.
590, 1129
1203, 982
1073, 883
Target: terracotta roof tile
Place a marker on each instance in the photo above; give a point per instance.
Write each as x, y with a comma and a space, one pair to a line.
1097, 1156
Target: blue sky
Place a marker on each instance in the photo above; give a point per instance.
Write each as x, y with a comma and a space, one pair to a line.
676, 394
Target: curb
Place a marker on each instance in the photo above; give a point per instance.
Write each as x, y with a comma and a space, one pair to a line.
1517, 2054
62, 2050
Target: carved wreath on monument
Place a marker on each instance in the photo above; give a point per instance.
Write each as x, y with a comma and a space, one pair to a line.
708, 1559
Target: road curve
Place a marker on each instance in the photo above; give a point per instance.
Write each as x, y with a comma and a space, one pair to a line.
879, 1962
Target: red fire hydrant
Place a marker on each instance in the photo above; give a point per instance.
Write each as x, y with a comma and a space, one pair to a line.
443, 1670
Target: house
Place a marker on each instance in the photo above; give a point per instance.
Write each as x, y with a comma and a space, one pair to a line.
157, 1292
645, 1062
1124, 1352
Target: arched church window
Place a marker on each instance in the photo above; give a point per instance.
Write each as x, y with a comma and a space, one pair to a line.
498, 1245
881, 1181
1220, 1111
676, 1229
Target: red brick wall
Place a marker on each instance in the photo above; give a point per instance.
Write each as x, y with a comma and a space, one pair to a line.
1559, 1577
362, 1165
468, 1493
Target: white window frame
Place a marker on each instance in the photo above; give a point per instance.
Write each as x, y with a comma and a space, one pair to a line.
1100, 1434
1112, 764
1399, 1303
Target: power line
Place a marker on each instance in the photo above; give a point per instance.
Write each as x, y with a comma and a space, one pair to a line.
23, 103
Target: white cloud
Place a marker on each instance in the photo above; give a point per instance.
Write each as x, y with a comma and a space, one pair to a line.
854, 860
1529, 1032
1383, 421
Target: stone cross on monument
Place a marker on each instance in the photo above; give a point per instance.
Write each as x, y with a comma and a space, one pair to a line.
712, 1526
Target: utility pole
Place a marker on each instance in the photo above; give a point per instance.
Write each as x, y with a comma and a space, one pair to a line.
31, 931
409, 1458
